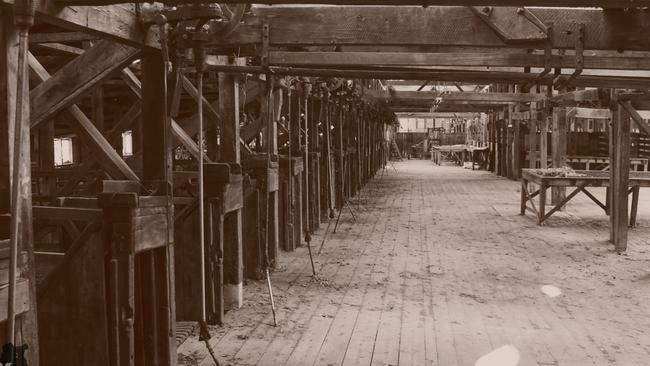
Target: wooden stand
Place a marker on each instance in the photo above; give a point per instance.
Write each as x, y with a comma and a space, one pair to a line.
224, 196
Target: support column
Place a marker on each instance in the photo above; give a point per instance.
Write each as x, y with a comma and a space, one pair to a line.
532, 137
619, 178
558, 146
516, 145
156, 265
233, 251
26, 324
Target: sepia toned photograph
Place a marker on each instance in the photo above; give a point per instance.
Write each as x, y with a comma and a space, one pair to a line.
325, 183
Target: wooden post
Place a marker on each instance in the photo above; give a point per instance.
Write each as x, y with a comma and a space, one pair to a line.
516, 145
157, 264
532, 137
233, 256
558, 146
26, 322
510, 134
619, 178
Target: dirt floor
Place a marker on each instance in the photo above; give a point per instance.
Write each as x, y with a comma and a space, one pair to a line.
440, 269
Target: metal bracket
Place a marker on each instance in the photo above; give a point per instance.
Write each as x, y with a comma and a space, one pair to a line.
579, 59
512, 25
548, 55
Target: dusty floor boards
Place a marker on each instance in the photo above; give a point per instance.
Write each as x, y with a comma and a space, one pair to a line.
439, 270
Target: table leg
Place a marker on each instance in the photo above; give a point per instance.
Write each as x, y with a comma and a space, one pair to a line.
608, 197
542, 203
473, 159
524, 197
635, 206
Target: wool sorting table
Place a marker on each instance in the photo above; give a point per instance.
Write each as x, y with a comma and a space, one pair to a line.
458, 153
591, 178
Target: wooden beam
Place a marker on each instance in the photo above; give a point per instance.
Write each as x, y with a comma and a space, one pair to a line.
58, 37
619, 178
78, 77
492, 97
441, 26
26, 301
437, 115
91, 136
481, 77
592, 113
60, 48
230, 152
118, 23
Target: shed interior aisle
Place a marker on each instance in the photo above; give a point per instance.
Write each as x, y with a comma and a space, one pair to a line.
302, 182
442, 270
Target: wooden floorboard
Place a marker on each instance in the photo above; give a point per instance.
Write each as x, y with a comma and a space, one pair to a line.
440, 269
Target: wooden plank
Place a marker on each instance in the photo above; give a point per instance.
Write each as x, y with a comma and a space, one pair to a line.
78, 77
458, 26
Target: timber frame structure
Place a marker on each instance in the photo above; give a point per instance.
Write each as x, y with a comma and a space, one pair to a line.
297, 115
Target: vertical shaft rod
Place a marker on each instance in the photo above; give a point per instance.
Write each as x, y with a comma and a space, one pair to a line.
21, 120
199, 83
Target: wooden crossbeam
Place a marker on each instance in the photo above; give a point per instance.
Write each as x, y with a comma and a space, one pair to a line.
102, 149
77, 78
441, 26
58, 37
483, 77
61, 48
592, 113
402, 95
118, 23
437, 115
492, 97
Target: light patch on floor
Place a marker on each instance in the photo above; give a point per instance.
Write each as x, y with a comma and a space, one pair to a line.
507, 355
551, 291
